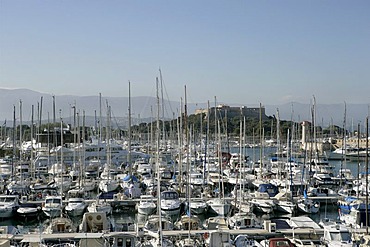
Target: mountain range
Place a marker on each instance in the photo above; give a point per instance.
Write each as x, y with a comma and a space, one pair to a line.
144, 109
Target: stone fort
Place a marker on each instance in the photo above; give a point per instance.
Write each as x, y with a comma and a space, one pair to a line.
233, 111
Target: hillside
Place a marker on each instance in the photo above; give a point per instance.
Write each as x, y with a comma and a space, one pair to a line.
144, 108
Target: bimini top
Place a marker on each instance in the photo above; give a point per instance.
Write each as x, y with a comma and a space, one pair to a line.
270, 189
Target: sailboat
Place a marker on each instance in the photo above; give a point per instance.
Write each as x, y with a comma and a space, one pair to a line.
108, 182
263, 198
60, 225
129, 182
100, 206
94, 222
158, 222
219, 205
243, 220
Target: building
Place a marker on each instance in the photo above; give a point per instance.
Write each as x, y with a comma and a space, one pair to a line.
234, 111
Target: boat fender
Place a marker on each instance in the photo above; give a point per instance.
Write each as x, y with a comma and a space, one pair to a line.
90, 218
195, 225
98, 219
206, 235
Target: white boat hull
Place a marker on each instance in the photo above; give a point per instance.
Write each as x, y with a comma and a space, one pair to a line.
74, 212
285, 207
170, 211
198, 207
107, 209
28, 213
146, 210
263, 206
219, 207
52, 212
6, 212
108, 186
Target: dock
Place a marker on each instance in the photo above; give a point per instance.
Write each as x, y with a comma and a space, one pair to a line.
258, 234
301, 225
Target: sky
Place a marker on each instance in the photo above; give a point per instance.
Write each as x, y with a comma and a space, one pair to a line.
240, 51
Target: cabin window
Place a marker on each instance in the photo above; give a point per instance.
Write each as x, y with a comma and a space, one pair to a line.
282, 243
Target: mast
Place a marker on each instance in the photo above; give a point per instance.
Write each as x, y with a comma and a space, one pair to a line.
61, 152
278, 142
20, 131
358, 158
40, 117
48, 132
227, 132
151, 129
158, 176
367, 175
74, 134
187, 147
239, 176
14, 141
314, 128
80, 167
108, 137
83, 147
216, 134
290, 156
312, 134
32, 162
54, 125
186, 141
162, 99
261, 139
206, 147
129, 129
100, 121
181, 142
244, 147
222, 188
344, 144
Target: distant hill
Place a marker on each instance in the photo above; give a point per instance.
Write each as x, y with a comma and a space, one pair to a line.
326, 114
144, 108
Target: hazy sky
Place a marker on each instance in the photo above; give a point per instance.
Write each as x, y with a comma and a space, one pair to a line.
245, 52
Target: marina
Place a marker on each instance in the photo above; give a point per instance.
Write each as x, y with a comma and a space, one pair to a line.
72, 188
123, 222
222, 142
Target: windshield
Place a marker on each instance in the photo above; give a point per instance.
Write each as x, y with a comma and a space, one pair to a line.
170, 195
7, 199
340, 236
53, 200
